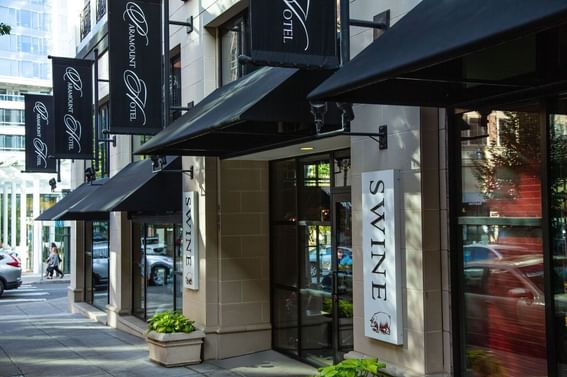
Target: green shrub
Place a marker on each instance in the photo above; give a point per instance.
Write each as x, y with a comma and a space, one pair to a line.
353, 368
345, 307
485, 363
170, 322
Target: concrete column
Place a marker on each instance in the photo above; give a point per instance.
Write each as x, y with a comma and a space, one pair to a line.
5, 213
37, 266
22, 246
75, 291
13, 216
120, 267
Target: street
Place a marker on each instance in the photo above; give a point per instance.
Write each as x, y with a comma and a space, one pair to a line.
33, 293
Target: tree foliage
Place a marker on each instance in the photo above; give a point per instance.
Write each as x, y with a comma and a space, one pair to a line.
4, 29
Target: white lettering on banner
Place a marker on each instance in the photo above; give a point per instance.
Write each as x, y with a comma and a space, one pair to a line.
190, 241
41, 152
74, 79
41, 113
74, 130
381, 256
137, 93
137, 18
294, 10
135, 86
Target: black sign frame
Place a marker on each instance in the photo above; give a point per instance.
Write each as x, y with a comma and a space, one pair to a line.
40, 134
73, 108
135, 53
294, 33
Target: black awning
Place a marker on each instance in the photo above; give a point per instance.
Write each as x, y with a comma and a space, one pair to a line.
262, 110
79, 194
134, 189
447, 52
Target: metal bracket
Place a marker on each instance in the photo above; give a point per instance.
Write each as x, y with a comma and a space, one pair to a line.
188, 24
108, 140
369, 24
381, 137
190, 172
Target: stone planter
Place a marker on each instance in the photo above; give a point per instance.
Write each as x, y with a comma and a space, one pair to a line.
175, 349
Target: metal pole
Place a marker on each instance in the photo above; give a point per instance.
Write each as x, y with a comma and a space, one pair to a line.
345, 31
166, 63
97, 145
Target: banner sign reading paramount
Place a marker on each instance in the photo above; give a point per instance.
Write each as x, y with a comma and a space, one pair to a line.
190, 240
40, 135
134, 32
297, 33
73, 108
381, 256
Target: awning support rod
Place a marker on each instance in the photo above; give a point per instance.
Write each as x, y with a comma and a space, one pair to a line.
369, 24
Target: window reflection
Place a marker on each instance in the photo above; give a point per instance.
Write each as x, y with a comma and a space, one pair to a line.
501, 224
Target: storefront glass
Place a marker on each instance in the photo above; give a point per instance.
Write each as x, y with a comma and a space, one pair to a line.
156, 268
501, 230
558, 228
312, 257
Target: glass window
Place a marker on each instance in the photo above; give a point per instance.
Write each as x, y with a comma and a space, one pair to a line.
232, 45
501, 228
25, 18
175, 85
100, 258
157, 285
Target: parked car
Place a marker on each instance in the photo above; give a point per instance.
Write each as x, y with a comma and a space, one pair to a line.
324, 265
478, 252
505, 304
159, 267
10, 272
100, 264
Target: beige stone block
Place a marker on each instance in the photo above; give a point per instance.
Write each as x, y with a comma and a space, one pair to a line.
358, 298
266, 312
410, 182
432, 265
254, 201
429, 119
431, 230
255, 290
241, 269
240, 314
230, 201
448, 352
242, 343
430, 150
212, 315
414, 310
430, 189
447, 311
240, 179
433, 303
434, 352
444, 229
413, 268
241, 224
231, 292
231, 247
264, 267
411, 232
255, 246
445, 270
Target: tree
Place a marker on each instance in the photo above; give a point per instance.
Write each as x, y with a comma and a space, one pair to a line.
4, 29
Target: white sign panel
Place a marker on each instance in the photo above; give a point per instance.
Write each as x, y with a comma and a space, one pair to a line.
381, 256
190, 240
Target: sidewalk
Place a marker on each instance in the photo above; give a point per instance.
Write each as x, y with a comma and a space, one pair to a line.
31, 278
42, 339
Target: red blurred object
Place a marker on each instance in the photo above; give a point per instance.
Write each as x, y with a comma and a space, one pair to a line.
15, 262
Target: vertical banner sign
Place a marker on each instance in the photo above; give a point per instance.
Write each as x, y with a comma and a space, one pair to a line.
296, 33
190, 241
381, 256
135, 38
40, 135
73, 108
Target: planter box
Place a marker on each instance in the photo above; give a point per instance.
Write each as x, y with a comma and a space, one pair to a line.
175, 349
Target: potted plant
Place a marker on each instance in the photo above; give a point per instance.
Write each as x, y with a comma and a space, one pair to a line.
173, 340
353, 368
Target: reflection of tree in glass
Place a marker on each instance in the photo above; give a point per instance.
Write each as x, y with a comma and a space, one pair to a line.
516, 150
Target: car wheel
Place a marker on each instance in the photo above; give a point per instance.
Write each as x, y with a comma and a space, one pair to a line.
155, 278
1, 287
313, 269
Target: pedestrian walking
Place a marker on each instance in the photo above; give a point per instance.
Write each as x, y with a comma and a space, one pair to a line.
53, 262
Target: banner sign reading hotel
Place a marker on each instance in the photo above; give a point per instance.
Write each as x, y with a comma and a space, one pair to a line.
134, 44
296, 33
190, 242
73, 108
381, 256
40, 135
